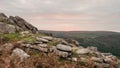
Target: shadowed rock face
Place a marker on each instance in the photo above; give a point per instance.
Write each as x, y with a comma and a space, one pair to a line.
18, 22
22, 24
3, 16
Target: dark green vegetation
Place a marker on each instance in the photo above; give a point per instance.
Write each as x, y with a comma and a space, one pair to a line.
106, 41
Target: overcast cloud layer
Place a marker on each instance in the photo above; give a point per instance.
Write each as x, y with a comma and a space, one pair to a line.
66, 15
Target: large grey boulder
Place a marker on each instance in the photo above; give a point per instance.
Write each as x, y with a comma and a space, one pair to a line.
20, 53
7, 28
64, 47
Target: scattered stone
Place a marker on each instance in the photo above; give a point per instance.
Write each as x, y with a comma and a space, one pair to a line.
75, 42
64, 47
98, 60
20, 53
84, 59
8, 46
43, 45
107, 60
42, 40
62, 41
106, 54
40, 48
82, 51
74, 59
92, 48
52, 49
105, 65
62, 54
47, 37
97, 65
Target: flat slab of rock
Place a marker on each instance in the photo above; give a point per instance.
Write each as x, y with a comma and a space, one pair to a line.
42, 40
82, 51
64, 47
47, 37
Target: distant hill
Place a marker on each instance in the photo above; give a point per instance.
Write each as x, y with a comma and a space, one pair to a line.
106, 41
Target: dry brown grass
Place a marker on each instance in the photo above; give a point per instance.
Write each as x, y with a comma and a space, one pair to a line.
39, 60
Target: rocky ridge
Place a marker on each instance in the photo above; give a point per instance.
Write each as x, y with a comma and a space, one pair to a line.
15, 24
71, 51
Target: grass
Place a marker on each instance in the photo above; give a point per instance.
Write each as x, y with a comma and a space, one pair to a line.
17, 37
12, 37
28, 39
53, 43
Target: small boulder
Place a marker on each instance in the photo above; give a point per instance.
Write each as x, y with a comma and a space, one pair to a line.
20, 53
61, 41
62, 54
8, 47
74, 59
92, 48
82, 51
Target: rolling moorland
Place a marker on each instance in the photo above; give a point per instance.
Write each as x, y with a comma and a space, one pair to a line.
106, 41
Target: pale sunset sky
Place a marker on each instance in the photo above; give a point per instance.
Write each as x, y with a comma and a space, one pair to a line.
66, 15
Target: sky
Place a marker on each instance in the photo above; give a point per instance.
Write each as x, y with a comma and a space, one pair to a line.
66, 15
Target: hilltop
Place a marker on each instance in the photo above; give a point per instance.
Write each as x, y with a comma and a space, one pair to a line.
22, 46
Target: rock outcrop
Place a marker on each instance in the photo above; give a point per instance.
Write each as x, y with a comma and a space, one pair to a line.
18, 23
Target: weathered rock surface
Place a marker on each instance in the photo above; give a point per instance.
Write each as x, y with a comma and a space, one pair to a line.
64, 47
47, 37
3, 17
7, 28
39, 39
20, 53
20, 22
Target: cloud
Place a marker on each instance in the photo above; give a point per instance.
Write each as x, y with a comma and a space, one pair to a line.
66, 14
